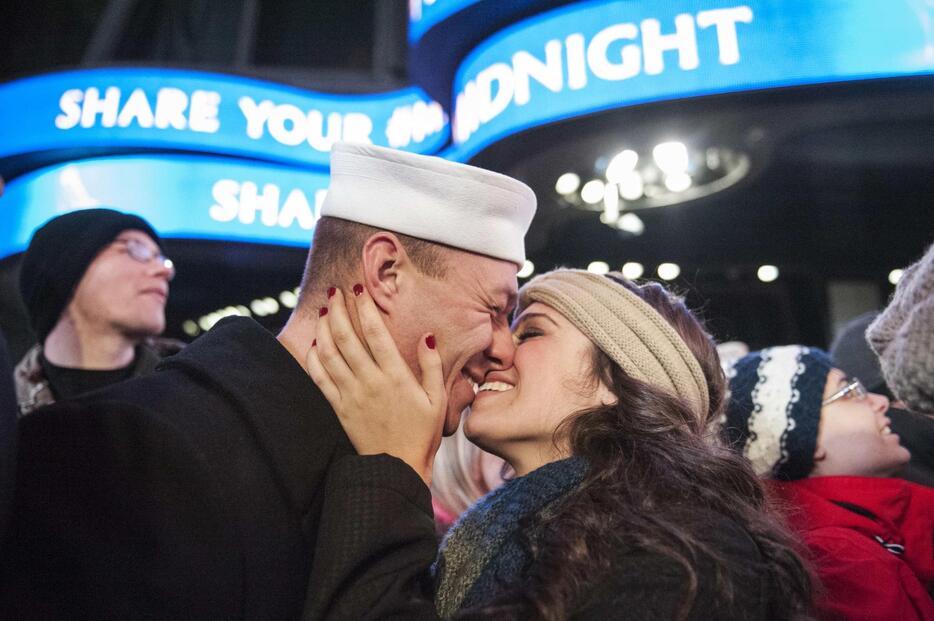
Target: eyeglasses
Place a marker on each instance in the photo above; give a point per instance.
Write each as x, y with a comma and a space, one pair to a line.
142, 252
853, 390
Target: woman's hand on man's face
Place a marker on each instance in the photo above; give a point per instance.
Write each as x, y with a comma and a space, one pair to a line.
378, 400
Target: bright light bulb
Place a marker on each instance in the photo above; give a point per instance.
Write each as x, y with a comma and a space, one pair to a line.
668, 271
528, 268
288, 299
592, 192
631, 223
190, 328
610, 204
767, 273
567, 184
895, 276
633, 270
259, 308
622, 163
671, 157
207, 321
599, 267
272, 307
678, 182
631, 186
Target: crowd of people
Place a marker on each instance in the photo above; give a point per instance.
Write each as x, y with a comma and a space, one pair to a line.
424, 439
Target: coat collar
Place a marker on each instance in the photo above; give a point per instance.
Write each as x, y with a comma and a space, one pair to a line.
885, 499
292, 421
32, 388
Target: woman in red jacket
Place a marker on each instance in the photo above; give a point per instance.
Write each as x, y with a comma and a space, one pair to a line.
825, 443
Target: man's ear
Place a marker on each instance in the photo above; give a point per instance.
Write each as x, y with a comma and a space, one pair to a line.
385, 264
820, 454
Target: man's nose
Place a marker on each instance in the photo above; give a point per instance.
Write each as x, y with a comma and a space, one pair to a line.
163, 268
502, 348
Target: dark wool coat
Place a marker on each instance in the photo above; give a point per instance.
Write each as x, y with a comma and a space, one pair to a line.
215, 488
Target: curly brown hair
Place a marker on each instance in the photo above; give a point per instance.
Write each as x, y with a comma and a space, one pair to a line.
654, 461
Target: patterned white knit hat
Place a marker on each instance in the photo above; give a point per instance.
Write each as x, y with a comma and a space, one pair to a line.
774, 409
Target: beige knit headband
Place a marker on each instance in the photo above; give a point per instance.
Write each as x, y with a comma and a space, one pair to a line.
624, 327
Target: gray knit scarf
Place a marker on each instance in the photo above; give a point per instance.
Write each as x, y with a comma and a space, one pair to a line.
482, 556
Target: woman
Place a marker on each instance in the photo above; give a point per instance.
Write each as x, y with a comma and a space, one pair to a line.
826, 446
623, 504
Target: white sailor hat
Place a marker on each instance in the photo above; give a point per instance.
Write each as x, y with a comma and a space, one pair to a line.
430, 198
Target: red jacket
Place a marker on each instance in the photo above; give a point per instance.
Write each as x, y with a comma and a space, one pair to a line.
875, 555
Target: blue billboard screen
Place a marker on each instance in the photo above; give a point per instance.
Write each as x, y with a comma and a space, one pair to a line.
167, 109
598, 55
191, 197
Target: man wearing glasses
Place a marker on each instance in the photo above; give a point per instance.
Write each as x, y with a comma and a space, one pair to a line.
95, 283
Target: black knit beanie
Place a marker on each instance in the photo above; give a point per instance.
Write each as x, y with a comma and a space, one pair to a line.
58, 255
773, 414
851, 354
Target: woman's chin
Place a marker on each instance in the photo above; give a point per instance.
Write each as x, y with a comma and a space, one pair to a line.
479, 428
486, 402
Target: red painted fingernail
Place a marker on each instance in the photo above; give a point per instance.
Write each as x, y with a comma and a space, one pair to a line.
322, 311
357, 289
314, 342
332, 291
430, 341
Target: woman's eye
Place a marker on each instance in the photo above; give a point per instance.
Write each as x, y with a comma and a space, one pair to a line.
527, 334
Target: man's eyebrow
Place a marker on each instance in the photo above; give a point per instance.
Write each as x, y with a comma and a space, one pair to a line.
508, 297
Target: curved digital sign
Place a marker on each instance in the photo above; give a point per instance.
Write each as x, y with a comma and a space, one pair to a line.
190, 197
599, 55
167, 109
